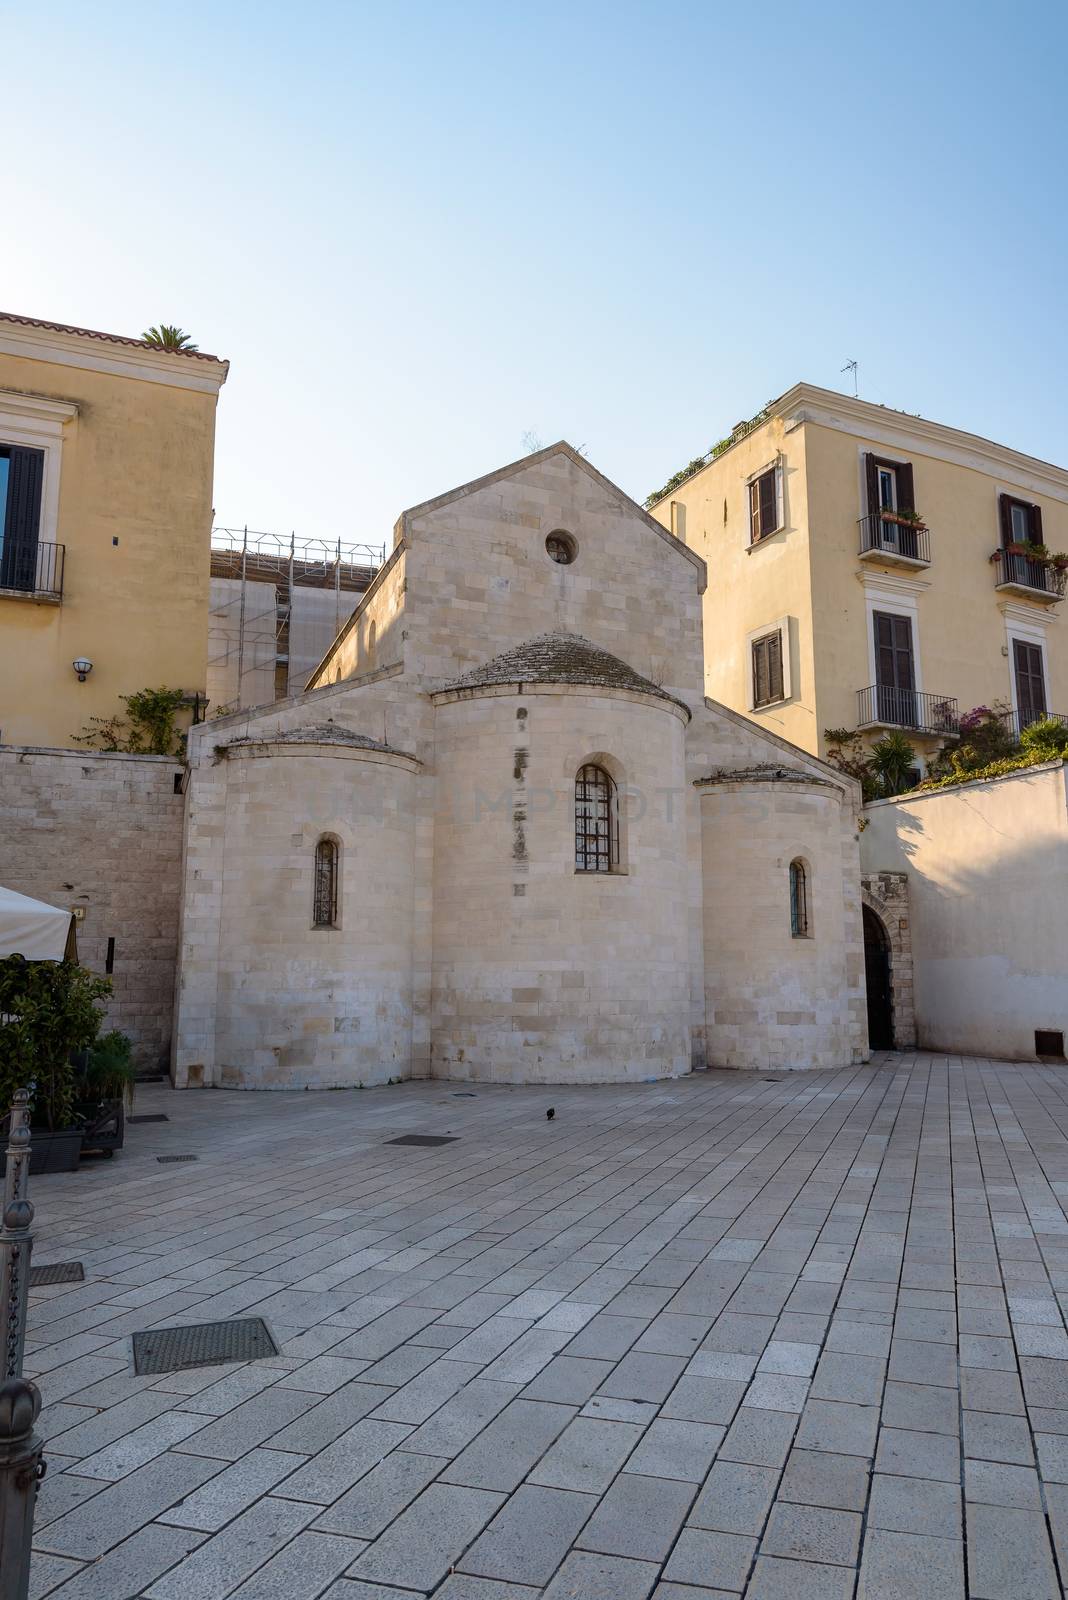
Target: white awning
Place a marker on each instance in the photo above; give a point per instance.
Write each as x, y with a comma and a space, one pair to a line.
31, 928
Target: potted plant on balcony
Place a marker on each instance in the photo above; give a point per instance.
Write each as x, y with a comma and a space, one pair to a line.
48, 1010
105, 1091
908, 519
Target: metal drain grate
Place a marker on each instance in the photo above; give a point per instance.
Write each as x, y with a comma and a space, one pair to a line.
177, 1158
151, 1116
206, 1344
425, 1138
57, 1272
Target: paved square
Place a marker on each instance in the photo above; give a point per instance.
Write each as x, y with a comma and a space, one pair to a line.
736, 1335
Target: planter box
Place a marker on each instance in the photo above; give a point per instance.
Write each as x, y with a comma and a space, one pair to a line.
105, 1126
50, 1152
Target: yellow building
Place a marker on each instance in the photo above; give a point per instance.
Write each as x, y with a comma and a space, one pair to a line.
872, 570
106, 456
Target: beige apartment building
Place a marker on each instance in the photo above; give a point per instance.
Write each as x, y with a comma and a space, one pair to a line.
869, 569
106, 459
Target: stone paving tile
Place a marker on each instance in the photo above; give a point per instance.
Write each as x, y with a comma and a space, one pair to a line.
428, 1538
694, 1316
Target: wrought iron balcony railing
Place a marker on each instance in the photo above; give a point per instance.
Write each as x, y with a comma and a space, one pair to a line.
1036, 575
895, 538
1014, 722
32, 570
879, 706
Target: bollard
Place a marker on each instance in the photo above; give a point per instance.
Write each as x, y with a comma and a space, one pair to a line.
16, 1240
21, 1468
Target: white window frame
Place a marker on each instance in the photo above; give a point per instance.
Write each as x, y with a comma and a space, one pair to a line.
898, 596
1021, 624
37, 424
775, 465
781, 626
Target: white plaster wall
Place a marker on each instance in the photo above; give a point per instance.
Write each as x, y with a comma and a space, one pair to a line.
772, 1000
987, 865
542, 974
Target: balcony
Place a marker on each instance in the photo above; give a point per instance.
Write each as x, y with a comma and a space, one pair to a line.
32, 572
1034, 577
1014, 722
885, 536
879, 706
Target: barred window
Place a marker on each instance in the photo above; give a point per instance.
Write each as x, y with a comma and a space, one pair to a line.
798, 900
596, 821
324, 914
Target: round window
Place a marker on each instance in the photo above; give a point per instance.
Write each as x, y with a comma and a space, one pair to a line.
561, 547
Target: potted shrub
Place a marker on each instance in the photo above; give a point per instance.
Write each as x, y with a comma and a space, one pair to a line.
105, 1092
48, 1010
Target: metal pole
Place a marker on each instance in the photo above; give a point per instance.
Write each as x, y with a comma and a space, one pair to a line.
16, 1240
21, 1467
241, 619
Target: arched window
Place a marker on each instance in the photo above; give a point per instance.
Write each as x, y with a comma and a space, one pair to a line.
798, 900
596, 821
324, 912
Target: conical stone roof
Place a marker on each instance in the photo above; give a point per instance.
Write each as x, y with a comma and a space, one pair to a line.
558, 658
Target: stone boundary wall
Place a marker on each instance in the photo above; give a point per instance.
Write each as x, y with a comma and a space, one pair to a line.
103, 831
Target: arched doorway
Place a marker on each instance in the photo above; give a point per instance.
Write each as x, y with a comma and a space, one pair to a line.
877, 975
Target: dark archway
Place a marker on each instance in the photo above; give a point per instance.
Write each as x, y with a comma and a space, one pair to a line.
877, 974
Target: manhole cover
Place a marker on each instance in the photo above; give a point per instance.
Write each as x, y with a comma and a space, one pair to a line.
154, 1116
425, 1138
177, 1158
206, 1344
57, 1272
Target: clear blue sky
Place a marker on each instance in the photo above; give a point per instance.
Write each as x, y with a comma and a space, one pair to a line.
419, 231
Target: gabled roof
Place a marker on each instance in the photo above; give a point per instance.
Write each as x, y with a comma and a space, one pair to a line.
108, 338
559, 658
514, 468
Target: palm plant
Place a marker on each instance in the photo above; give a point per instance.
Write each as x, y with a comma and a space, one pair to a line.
169, 337
891, 761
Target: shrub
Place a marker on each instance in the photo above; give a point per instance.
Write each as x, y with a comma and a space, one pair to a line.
1046, 740
48, 1009
110, 1073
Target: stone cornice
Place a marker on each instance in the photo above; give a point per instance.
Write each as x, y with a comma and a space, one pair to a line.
99, 354
486, 691
901, 431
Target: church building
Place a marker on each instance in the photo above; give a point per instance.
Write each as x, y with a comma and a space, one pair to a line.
503, 836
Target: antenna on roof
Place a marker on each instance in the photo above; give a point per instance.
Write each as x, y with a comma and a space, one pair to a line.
851, 366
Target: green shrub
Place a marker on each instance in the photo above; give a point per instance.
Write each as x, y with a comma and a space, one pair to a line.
1046, 740
110, 1074
48, 1009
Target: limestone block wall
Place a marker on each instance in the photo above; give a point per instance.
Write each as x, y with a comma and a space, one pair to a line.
542, 974
887, 894
373, 637
102, 831
268, 1000
772, 1000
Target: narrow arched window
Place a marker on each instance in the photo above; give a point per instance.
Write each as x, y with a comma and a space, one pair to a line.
324, 913
596, 821
798, 900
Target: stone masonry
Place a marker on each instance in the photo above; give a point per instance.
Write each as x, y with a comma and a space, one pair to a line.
102, 832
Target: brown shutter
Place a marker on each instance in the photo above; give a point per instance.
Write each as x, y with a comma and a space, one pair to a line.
768, 518
1036, 524
760, 673
906, 496
754, 513
871, 481
775, 667
1005, 515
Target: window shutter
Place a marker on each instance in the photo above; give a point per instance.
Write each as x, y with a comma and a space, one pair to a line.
775, 667
754, 513
1036, 524
1005, 513
25, 479
871, 481
906, 495
760, 678
767, 503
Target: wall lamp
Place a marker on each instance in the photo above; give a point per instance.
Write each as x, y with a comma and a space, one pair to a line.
82, 667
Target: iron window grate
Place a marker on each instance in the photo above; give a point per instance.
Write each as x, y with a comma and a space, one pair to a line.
151, 1116
1049, 1042
57, 1272
425, 1138
204, 1344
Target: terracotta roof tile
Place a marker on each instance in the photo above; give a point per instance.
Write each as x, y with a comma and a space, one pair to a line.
108, 338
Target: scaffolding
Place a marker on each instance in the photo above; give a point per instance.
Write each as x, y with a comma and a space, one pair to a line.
259, 643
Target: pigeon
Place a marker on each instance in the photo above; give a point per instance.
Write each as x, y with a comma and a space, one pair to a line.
550, 1114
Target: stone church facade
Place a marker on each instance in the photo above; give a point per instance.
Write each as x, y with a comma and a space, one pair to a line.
504, 837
